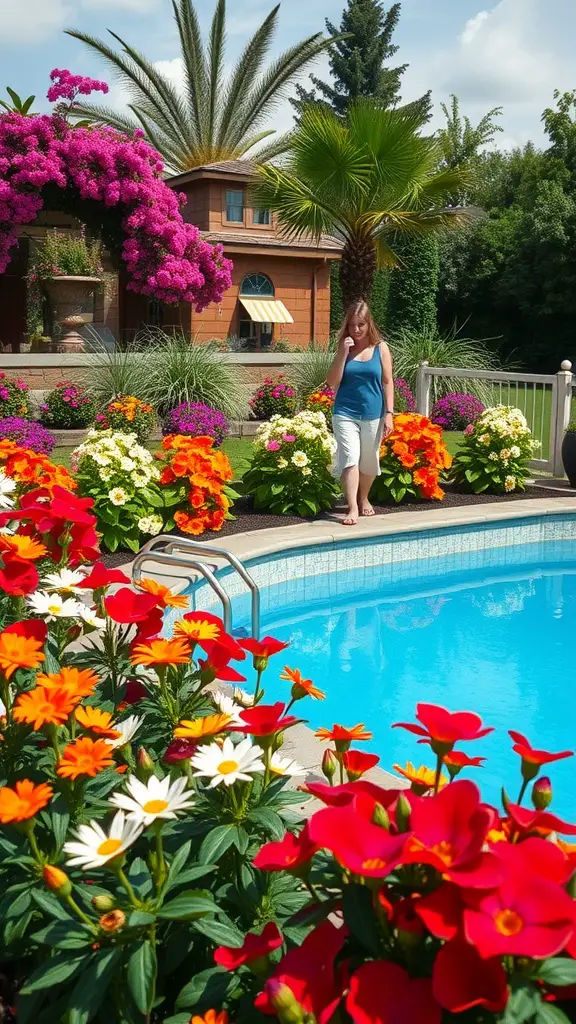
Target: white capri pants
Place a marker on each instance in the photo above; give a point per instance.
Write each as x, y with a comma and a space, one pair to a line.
358, 444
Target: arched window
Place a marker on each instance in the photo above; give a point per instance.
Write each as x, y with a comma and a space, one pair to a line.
257, 286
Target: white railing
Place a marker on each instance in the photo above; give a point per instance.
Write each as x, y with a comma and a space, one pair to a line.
545, 400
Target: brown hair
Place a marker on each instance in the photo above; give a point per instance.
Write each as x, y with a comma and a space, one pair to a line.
361, 309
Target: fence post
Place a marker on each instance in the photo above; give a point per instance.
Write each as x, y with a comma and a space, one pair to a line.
423, 390
563, 410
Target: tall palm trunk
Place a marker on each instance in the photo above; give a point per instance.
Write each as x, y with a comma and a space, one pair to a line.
357, 269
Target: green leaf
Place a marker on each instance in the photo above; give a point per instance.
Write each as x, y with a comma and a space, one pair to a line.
359, 916
224, 934
140, 877
60, 820
187, 906
56, 970
216, 843
523, 1002
196, 871
269, 820
550, 1014
142, 968
241, 839
558, 971
65, 935
152, 497
177, 864
92, 988
140, 919
50, 905
19, 905
206, 989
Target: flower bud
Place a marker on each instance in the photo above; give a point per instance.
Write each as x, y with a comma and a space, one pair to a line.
329, 764
288, 1009
408, 925
381, 817
260, 662
542, 793
180, 750
103, 902
56, 880
403, 812
113, 921
145, 764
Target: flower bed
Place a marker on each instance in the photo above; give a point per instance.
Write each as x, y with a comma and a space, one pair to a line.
195, 484
275, 397
195, 419
456, 411
27, 434
67, 407
13, 397
290, 469
495, 453
128, 415
412, 459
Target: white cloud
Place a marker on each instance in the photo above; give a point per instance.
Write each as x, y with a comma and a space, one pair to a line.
138, 6
32, 21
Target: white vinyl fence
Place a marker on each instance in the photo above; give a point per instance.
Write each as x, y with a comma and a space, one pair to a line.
545, 400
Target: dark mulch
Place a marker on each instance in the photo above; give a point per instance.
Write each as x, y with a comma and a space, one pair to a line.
248, 518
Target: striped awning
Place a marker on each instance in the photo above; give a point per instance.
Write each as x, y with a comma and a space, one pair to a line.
267, 311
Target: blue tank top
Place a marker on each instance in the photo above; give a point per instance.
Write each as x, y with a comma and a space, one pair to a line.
360, 395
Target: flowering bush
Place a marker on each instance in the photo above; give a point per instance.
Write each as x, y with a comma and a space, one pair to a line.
195, 483
164, 256
290, 469
13, 397
275, 397
23, 470
456, 411
63, 253
67, 407
67, 86
195, 419
404, 401
26, 434
322, 400
129, 415
495, 452
121, 479
412, 458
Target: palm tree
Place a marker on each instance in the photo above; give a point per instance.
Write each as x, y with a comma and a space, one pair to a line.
210, 118
366, 180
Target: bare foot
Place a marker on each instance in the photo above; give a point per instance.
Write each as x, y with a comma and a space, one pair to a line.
351, 519
367, 509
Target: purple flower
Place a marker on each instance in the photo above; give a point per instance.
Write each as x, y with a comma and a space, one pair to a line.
404, 392
273, 397
194, 419
456, 411
27, 434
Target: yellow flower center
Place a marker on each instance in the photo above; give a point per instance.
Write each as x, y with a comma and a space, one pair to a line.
227, 767
508, 922
108, 847
155, 806
373, 864
444, 851
54, 608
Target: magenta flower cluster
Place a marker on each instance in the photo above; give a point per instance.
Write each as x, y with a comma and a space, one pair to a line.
273, 397
68, 86
194, 419
403, 391
13, 397
67, 407
456, 411
27, 434
164, 256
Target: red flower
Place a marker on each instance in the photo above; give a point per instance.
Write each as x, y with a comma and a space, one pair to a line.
69, 508
262, 650
456, 760
461, 980
254, 947
442, 910
449, 831
179, 750
84, 545
520, 918
535, 857
290, 854
339, 796
357, 763
135, 691
31, 628
101, 577
217, 664
444, 728
527, 820
150, 626
18, 577
528, 753
126, 606
308, 971
382, 992
265, 719
356, 843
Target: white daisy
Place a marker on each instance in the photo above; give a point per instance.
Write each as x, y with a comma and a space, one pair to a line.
227, 706
94, 848
285, 766
89, 616
242, 697
228, 763
127, 729
53, 606
157, 798
7, 486
65, 582
299, 459
118, 496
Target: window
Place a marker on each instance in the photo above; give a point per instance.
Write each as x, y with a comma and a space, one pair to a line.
235, 206
257, 286
261, 216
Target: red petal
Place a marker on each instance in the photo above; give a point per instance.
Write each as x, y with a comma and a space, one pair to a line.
382, 992
461, 980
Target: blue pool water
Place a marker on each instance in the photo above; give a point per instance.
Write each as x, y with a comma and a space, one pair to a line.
497, 640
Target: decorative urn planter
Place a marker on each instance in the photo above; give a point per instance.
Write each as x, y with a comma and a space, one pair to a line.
72, 302
569, 456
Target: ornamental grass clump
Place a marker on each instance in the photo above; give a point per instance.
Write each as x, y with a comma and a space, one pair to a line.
274, 397
195, 483
495, 453
290, 469
67, 407
13, 397
27, 434
129, 415
195, 419
121, 479
413, 459
456, 411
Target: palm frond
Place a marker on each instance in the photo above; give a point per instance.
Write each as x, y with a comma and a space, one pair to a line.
96, 114
301, 211
163, 97
252, 141
247, 68
216, 64
325, 155
280, 145
196, 75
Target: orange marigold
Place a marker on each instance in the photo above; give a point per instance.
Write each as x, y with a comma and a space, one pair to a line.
340, 733
96, 721
199, 728
165, 596
80, 682
85, 757
23, 801
24, 547
19, 652
301, 687
39, 707
161, 652
210, 1017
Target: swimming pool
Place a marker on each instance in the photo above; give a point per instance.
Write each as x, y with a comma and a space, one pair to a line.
478, 618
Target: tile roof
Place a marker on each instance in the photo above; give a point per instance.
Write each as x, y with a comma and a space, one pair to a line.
271, 241
229, 167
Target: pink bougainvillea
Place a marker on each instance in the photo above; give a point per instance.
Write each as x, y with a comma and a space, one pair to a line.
68, 86
164, 256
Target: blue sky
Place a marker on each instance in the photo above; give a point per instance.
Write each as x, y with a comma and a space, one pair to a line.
513, 53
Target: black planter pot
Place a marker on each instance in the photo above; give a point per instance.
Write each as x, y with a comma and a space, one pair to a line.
569, 456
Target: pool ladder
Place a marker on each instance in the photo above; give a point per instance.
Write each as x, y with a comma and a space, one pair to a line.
185, 554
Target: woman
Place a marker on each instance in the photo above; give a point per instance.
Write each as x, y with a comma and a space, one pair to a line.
361, 375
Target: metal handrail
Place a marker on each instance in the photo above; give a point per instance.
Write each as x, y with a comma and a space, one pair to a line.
165, 556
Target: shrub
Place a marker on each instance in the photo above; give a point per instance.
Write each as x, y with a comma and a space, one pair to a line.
412, 459
195, 484
275, 397
495, 452
28, 470
65, 253
13, 397
194, 419
129, 415
404, 400
322, 401
121, 478
67, 407
27, 434
456, 411
290, 469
